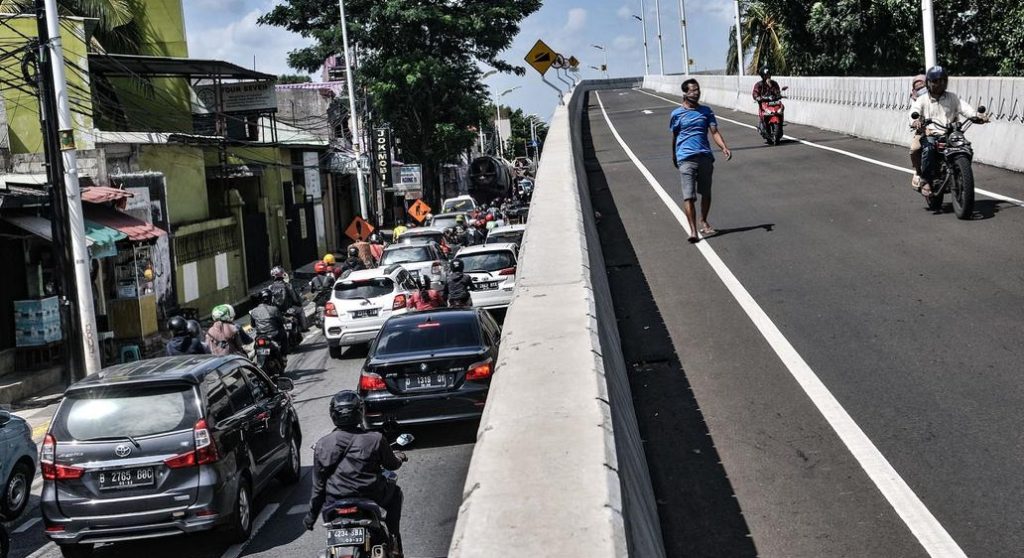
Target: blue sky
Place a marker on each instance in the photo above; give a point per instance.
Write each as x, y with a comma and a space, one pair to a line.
227, 30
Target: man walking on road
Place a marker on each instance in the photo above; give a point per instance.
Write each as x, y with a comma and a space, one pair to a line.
691, 152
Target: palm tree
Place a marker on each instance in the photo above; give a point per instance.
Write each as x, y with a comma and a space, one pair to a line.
763, 38
118, 29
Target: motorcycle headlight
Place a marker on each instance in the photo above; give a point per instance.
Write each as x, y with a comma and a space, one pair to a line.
956, 140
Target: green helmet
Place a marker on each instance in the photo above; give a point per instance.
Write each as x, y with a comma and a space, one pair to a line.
223, 313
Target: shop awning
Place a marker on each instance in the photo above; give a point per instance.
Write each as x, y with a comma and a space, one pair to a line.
104, 194
136, 230
96, 235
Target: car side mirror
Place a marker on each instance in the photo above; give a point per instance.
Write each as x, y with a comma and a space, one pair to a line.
5, 417
285, 384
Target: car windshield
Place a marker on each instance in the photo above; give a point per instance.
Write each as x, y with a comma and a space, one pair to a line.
406, 255
488, 261
422, 238
366, 288
515, 237
458, 205
444, 221
114, 415
428, 335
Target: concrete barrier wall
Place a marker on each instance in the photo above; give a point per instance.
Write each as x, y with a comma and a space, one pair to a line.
559, 468
876, 108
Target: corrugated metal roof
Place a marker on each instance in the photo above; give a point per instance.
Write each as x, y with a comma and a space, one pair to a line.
135, 229
104, 194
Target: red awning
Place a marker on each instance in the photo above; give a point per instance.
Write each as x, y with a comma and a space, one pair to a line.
104, 194
135, 229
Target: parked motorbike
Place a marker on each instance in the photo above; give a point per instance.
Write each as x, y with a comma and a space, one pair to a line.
356, 528
269, 356
955, 175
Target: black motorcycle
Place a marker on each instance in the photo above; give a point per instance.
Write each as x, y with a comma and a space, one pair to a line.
269, 356
293, 326
356, 528
954, 175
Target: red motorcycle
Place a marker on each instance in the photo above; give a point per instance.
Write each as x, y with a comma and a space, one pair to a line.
770, 125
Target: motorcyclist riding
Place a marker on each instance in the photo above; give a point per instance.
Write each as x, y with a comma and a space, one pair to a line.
458, 286
184, 341
942, 108
285, 297
425, 298
353, 262
324, 278
224, 337
765, 90
376, 247
267, 320
349, 463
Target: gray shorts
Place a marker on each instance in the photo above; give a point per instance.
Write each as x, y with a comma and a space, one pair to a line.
695, 173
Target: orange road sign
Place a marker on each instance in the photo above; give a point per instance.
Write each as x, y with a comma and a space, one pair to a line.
541, 57
359, 229
419, 210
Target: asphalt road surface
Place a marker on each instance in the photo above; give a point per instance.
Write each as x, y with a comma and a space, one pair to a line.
432, 481
911, 321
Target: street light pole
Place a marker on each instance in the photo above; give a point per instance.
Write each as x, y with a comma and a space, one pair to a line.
928, 24
80, 264
643, 23
354, 122
739, 40
605, 52
682, 34
661, 46
497, 120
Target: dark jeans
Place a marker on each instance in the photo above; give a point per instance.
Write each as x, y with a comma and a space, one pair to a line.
929, 157
392, 504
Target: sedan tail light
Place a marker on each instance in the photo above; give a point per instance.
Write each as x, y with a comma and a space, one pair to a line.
480, 371
330, 310
399, 302
368, 381
52, 470
508, 271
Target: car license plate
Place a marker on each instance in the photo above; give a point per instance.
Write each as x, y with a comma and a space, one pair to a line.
126, 478
487, 285
352, 536
366, 313
426, 381
263, 351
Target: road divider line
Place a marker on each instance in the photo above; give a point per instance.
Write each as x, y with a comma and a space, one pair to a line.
852, 155
929, 532
235, 550
44, 550
26, 526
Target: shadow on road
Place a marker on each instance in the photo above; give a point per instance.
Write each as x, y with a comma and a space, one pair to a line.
698, 510
768, 227
441, 435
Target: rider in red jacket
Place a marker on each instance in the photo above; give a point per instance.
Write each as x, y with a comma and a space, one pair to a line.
425, 298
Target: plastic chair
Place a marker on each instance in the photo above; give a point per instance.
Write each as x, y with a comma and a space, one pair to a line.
130, 353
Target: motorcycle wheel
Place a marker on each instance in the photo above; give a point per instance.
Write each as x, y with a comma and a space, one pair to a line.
963, 187
777, 133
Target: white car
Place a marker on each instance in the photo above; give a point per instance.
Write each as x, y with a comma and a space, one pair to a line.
361, 303
492, 267
458, 203
420, 260
511, 234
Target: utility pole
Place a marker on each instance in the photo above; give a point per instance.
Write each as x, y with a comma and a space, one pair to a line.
682, 34
642, 18
75, 231
739, 40
500, 152
356, 139
661, 46
928, 24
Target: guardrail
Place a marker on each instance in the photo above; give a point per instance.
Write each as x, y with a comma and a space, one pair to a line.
559, 468
875, 108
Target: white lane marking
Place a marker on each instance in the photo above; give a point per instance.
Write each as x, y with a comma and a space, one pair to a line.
27, 525
43, 550
890, 166
647, 111
298, 509
235, 550
932, 535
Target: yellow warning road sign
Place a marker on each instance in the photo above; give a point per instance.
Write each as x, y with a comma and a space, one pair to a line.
541, 57
573, 62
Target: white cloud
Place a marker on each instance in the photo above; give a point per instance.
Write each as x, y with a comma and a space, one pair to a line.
624, 12
577, 20
623, 42
240, 40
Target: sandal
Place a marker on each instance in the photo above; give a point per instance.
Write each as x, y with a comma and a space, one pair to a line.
693, 240
708, 231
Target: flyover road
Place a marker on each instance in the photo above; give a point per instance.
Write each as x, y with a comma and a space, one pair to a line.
432, 481
838, 371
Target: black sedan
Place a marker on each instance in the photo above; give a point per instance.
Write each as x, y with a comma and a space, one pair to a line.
427, 367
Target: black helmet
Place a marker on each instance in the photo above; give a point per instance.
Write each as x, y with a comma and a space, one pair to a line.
177, 325
346, 408
425, 282
936, 73
277, 272
353, 252
765, 72
194, 329
266, 296
457, 265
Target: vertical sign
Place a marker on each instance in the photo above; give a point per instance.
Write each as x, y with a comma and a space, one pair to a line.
382, 157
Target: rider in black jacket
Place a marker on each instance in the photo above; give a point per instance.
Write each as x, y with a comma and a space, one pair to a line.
349, 462
457, 287
268, 321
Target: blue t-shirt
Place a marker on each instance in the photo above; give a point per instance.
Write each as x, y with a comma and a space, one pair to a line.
690, 127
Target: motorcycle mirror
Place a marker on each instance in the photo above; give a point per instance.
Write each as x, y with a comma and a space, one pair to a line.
915, 115
785, 87
405, 439
285, 384
982, 109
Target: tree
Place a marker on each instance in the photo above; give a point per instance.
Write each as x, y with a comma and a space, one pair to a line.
419, 62
515, 146
118, 27
293, 78
763, 38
